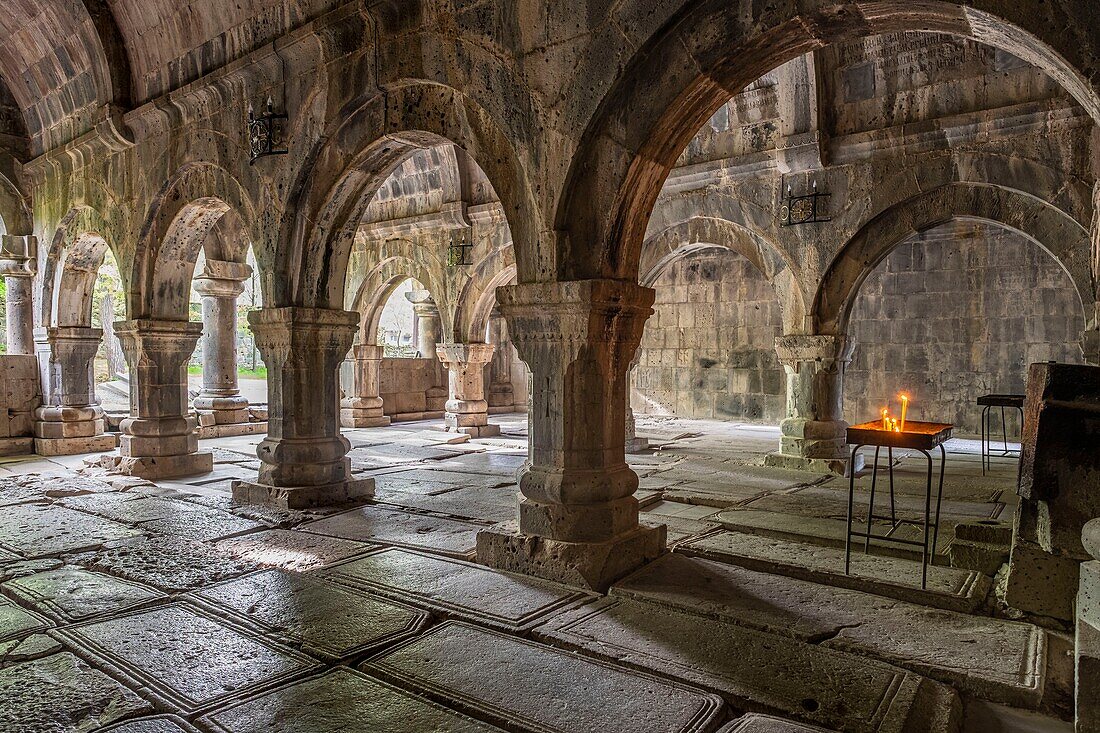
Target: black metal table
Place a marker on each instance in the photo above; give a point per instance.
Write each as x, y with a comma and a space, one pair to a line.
987, 403
920, 436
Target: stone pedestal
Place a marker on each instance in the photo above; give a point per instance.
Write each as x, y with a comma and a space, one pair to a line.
429, 325
578, 518
70, 420
158, 439
1087, 670
17, 265
813, 433
303, 459
219, 284
467, 411
363, 409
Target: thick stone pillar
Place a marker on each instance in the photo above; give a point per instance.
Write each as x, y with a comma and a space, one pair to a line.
18, 265
632, 442
158, 439
219, 284
303, 459
429, 328
467, 411
70, 420
363, 408
578, 518
813, 433
1087, 673
501, 395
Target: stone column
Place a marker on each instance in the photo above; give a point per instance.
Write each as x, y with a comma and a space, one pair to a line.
303, 459
18, 265
467, 409
70, 420
363, 409
429, 332
814, 430
158, 439
632, 442
501, 395
1087, 677
578, 518
219, 284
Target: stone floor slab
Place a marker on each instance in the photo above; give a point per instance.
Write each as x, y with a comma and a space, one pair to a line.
948, 588
994, 659
186, 658
453, 587
321, 618
289, 550
509, 681
72, 593
205, 525
679, 529
754, 723
20, 489
758, 671
818, 501
129, 508
395, 527
16, 622
62, 693
36, 530
341, 701
152, 724
168, 563
492, 505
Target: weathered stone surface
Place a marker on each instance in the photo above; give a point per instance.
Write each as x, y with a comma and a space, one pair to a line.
391, 526
73, 594
508, 680
183, 656
34, 530
61, 692
19, 489
341, 700
754, 723
492, 505
209, 524
457, 588
320, 617
35, 646
129, 508
291, 550
154, 724
16, 621
166, 562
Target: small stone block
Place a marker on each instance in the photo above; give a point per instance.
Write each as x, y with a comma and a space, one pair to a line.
303, 497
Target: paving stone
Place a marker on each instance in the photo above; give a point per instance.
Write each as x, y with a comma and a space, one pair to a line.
340, 701
128, 508
166, 562
19, 489
204, 525
679, 529
754, 723
34, 530
153, 724
452, 537
464, 589
71, 593
16, 621
317, 616
496, 464
818, 501
991, 658
949, 588
282, 548
62, 693
186, 658
35, 646
7, 556
681, 510
509, 681
757, 671
492, 505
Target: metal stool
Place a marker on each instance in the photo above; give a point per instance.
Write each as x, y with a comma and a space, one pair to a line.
988, 402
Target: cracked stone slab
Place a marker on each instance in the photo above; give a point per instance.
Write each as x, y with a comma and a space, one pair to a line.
948, 588
492, 505
493, 464
452, 537
338, 701
819, 501
17, 622
205, 525
185, 657
165, 562
71, 593
757, 671
31, 647
152, 724
317, 616
755, 723
7, 556
994, 659
62, 693
128, 508
508, 681
20, 489
679, 528
458, 588
35, 530
289, 550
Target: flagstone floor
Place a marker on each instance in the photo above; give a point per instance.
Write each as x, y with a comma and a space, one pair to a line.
136, 607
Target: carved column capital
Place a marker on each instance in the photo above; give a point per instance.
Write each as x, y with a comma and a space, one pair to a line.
18, 255
222, 279
826, 351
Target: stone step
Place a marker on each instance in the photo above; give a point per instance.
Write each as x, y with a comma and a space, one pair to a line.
993, 659
757, 671
754, 723
828, 532
948, 588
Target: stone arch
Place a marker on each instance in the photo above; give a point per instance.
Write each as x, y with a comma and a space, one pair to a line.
474, 321
14, 211
70, 265
1053, 230
187, 210
397, 261
655, 106
330, 194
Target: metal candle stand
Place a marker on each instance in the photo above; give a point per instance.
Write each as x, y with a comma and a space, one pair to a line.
988, 402
921, 436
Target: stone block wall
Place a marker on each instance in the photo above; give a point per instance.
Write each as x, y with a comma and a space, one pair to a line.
954, 313
20, 394
708, 349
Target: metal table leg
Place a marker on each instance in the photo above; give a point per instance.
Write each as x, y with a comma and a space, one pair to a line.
851, 498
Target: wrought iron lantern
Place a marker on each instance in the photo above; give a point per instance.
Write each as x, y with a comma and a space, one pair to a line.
460, 250
805, 209
265, 133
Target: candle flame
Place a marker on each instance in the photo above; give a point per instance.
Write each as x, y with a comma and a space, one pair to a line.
904, 409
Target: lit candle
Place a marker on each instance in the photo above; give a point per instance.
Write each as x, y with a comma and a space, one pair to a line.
904, 408
885, 419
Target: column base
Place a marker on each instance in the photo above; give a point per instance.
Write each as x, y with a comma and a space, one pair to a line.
74, 446
21, 446
487, 430
1040, 583
348, 419
637, 445
154, 467
303, 497
591, 565
205, 432
474, 424
838, 466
